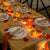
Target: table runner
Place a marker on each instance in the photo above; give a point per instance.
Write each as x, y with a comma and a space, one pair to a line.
16, 44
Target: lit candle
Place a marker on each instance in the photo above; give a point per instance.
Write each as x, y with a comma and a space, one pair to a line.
15, 19
24, 22
30, 26
11, 14
18, 14
30, 19
33, 33
10, 10
39, 35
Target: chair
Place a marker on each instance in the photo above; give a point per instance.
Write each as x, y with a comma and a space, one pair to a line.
26, 1
45, 8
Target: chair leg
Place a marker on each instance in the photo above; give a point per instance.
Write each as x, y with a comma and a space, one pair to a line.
37, 5
31, 3
25, 2
45, 8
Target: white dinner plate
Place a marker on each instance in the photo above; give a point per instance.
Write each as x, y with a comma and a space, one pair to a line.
17, 36
2, 18
24, 9
44, 24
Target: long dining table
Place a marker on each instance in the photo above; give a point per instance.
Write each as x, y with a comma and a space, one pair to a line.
18, 44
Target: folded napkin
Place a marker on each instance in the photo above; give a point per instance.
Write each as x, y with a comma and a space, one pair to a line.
26, 39
47, 36
29, 13
5, 40
5, 21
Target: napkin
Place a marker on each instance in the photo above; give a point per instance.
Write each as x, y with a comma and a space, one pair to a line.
5, 21
29, 13
48, 36
33, 25
6, 29
26, 39
5, 40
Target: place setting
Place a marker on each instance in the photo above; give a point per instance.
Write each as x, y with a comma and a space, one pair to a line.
23, 9
42, 22
4, 16
18, 32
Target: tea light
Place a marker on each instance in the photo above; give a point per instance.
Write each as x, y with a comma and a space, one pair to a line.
24, 22
33, 33
30, 19
40, 35
15, 19
29, 30
18, 14
10, 10
27, 24
30, 26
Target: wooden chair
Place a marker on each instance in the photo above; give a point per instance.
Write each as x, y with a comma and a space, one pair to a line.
45, 8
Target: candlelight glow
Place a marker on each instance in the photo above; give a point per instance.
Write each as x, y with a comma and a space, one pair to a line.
6, 4
15, 19
34, 33
30, 19
24, 22
39, 35
30, 26
11, 14
10, 10
43, 45
29, 30
18, 14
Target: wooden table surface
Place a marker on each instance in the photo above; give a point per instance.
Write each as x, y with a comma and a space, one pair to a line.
19, 44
